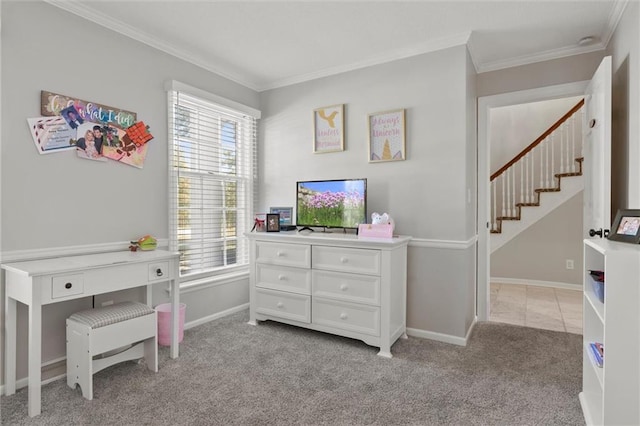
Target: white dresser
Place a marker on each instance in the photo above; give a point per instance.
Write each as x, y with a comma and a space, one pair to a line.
331, 282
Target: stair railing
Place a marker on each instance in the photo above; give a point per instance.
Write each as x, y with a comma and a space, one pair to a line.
555, 153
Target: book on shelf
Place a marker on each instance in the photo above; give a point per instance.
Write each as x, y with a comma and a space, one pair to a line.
595, 351
597, 275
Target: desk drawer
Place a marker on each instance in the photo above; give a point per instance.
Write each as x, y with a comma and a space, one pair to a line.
67, 285
296, 307
298, 255
359, 261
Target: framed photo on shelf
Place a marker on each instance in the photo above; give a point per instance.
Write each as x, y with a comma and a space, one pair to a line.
387, 136
328, 129
273, 222
626, 227
286, 214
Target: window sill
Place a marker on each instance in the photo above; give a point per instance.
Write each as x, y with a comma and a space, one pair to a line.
189, 285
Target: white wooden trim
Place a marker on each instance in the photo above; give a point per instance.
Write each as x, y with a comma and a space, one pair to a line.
211, 281
178, 86
537, 283
216, 316
485, 104
443, 244
44, 253
446, 338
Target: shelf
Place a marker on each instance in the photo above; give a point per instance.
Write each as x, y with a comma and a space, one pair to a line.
598, 371
596, 304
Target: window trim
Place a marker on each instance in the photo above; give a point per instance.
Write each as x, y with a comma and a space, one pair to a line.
234, 108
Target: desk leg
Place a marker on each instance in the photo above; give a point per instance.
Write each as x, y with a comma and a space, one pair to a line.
10, 324
175, 311
35, 357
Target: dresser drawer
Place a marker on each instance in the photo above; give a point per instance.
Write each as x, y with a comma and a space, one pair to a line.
346, 316
360, 261
295, 280
296, 307
347, 287
298, 255
67, 285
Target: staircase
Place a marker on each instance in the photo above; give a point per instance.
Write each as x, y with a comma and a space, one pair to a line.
539, 179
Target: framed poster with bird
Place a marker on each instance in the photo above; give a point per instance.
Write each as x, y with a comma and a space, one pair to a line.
328, 129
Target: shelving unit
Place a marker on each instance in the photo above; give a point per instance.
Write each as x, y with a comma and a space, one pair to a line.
611, 394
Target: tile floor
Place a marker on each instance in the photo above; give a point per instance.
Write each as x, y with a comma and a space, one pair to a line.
538, 307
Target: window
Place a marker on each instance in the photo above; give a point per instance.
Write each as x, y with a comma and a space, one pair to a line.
212, 159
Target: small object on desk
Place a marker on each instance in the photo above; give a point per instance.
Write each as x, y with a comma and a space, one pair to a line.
147, 243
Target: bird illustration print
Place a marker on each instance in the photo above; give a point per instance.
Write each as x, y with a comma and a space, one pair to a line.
328, 119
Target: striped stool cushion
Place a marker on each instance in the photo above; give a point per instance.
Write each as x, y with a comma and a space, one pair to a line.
100, 317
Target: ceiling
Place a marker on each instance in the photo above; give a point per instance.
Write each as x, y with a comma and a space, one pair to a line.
265, 44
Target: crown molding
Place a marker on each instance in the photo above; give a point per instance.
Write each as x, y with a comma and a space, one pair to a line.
539, 57
614, 18
82, 10
415, 50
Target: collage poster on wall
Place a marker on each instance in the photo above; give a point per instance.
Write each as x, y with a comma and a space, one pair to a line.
97, 132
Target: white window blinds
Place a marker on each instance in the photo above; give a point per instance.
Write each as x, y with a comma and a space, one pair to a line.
212, 160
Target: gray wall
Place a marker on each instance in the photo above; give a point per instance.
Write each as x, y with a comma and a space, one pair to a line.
427, 194
58, 200
540, 252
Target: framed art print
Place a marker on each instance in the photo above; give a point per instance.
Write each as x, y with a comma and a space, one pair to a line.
386, 136
328, 129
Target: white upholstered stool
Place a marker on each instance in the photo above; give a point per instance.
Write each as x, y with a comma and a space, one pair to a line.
96, 331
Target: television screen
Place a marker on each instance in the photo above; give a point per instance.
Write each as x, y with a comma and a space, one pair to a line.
332, 203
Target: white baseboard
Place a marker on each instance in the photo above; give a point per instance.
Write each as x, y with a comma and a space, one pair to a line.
446, 338
537, 283
215, 316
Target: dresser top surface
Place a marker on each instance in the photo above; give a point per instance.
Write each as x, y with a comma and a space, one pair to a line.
72, 263
335, 238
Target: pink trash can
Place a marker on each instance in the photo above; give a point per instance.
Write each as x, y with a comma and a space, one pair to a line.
164, 323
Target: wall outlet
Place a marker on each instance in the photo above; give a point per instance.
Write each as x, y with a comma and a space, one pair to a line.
569, 263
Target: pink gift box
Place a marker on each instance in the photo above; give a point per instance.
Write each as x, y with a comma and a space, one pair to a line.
381, 230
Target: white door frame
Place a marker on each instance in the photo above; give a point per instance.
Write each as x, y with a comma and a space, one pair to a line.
485, 104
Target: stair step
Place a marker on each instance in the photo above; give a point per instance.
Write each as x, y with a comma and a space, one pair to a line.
568, 174
548, 190
528, 205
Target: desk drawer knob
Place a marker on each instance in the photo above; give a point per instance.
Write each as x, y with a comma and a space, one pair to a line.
68, 286
159, 272
280, 254
344, 287
343, 316
280, 305
344, 260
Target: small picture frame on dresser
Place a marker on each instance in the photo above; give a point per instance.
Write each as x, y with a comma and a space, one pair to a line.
273, 222
626, 227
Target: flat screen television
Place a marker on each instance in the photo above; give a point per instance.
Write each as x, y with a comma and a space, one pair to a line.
339, 203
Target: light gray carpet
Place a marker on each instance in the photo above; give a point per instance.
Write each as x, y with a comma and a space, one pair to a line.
231, 373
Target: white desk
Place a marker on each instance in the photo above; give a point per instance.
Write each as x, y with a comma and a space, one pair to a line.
41, 282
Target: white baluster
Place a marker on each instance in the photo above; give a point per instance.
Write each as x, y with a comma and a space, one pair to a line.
522, 180
495, 211
552, 180
573, 143
508, 171
559, 129
526, 177
502, 178
541, 165
513, 191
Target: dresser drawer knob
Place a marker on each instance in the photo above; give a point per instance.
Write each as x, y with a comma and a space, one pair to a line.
282, 277
280, 254
344, 260
280, 305
343, 316
159, 272
344, 287
68, 285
